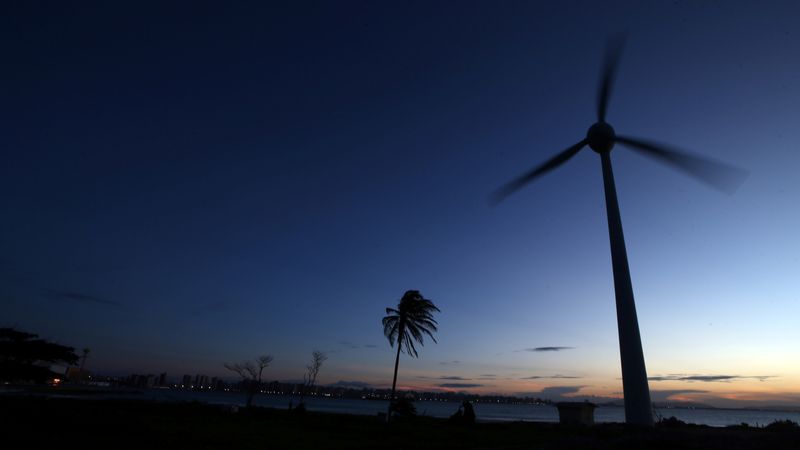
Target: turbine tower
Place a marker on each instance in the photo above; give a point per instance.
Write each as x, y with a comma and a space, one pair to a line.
601, 137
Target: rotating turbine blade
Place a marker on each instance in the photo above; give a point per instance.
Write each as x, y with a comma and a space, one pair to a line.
719, 175
613, 53
509, 188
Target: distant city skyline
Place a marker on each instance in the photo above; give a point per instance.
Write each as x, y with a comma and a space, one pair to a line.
188, 186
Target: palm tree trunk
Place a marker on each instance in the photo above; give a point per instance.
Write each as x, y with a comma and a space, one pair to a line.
394, 380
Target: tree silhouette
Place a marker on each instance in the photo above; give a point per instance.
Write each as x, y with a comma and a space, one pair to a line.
83, 358
81, 373
25, 357
310, 377
251, 375
407, 324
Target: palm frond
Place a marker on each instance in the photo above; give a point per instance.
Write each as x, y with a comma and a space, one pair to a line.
410, 322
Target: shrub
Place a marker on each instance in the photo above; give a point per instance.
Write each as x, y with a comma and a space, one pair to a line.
404, 408
782, 425
671, 422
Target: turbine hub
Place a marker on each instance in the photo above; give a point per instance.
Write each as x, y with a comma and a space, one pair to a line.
601, 137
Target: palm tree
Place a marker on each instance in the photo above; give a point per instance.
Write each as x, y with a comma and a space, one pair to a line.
412, 319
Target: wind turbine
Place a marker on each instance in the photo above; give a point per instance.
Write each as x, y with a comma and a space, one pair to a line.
601, 137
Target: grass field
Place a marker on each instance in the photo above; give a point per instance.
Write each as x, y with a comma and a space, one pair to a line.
57, 423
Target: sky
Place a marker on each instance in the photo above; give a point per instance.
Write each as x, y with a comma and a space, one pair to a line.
189, 184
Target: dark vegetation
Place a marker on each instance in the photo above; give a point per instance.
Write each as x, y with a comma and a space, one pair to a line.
25, 357
403, 408
783, 425
40, 422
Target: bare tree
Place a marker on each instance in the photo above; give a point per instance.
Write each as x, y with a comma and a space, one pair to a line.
310, 377
251, 375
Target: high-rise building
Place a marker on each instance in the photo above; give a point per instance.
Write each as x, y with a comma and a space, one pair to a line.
200, 381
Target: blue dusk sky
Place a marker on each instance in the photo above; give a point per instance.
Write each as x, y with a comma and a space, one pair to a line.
189, 184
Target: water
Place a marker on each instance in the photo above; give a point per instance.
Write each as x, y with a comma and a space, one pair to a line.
489, 412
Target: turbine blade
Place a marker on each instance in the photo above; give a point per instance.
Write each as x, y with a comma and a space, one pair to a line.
719, 175
613, 54
514, 185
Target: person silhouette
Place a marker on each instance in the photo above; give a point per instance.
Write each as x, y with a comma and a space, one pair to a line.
458, 416
468, 417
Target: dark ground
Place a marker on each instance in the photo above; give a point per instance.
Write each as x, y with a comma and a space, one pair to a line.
59, 423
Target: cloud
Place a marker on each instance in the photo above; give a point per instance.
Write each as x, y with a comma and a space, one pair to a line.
567, 393
665, 395
561, 390
709, 378
349, 345
78, 297
546, 349
548, 377
445, 363
443, 377
460, 385
351, 384
554, 392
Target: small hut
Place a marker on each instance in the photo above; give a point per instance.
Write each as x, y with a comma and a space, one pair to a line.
576, 413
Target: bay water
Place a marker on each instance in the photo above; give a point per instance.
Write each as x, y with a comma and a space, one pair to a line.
485, 412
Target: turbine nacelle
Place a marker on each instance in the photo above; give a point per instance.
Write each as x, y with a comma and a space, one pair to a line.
601, 137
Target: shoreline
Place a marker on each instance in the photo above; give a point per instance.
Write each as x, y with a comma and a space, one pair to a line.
487, 412
42, 422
